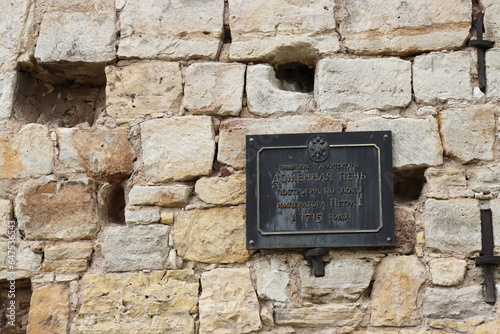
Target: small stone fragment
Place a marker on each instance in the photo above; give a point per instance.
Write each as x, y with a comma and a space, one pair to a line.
447, 271
272, 279
488, 328
166, 217
5, 217
229, 190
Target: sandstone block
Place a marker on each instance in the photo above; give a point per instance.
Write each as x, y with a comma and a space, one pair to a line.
214, 235
272, 279
453, 225
214, 89
282, 31
171, 30
391, 27
447, 271
5, 216
49, 310
26, 261
492, 68
177, 148
441, 181
395, 291
67, 258
142, 216
8, 81
487, 328
136, 248
415, 142
232, 133
228, 303
471, 142
344, 314
438, 77
229, 190
166, 196
58, 211
362, 84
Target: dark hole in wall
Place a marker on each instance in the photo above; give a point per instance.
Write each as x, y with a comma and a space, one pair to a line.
113, 206
408, 184
296, 77
22, 306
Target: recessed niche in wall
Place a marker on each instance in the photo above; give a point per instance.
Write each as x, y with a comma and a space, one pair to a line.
22, 306
296, 77
408, 184
112, 197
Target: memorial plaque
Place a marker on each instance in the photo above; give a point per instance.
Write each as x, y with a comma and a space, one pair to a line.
320, 190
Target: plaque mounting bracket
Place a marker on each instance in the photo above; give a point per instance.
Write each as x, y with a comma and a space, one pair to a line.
315, 257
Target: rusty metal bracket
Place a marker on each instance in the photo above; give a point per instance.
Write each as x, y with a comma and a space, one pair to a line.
315, 257
481, 45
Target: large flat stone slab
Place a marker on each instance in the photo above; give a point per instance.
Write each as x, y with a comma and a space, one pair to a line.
166, 196
343, 314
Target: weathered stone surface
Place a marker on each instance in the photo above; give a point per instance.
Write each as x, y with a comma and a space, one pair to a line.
228, 303
26, 261
214, 89
232, 133
265, 96
166, 196
415, 142
177, 148
345, 280
362, 84
493, 70
272, 279
447, 271
13, 17
145, 87
5, 216
282, 31
495, 209
404, 218
439, 77
229, 190
173, 30
214, 235
136, 248
401, 28
152, 303
8, 81
142, 216
441, 181
67, 258
455, 303
345, 314
484, 179
49, 310
488, 328
395, 291
58, 211
106, 154
453, 225
491, 23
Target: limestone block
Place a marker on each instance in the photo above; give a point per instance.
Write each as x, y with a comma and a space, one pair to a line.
441, 181
491, 23
13, 18
143, 88
272, 279
105, 154
489, 327
5, 216
215, 235
136, 248
485, 179
142, 216
153, 303
282, 31
67, 258
26, 261
173, 29
393, 27
230, 190
232, 133
471, 142
58, 211
8, 81
362, 84
214, 89
453, 225
447, 271
495, 211
228, 303
415, 142
394, 295
177, 148
345, 280
344, 314
49, 310
493, 70
165, 196
438, 77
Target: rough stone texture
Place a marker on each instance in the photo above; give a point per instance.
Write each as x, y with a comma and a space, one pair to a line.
136, 248
455, 303
12, 20
5, 216
8, 81
228, 303
488, 328
173, 30
49, 310
492, 68
395, 291
166, 196
282, 31
67, 258
362, 84
272, 279
404, 218
266, 96
415, 142
177, 148
143, 88
438, 77
495, 211
152, 303
142, 216
214, 89
402, 28
229, 190
453, 225
441, 182
232, 133
491, 23
26, 261
345, 280
214, 235
58, 211
447, 271
345, 314
105, 154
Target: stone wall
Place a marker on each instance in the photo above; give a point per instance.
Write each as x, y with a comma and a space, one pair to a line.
122, 160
